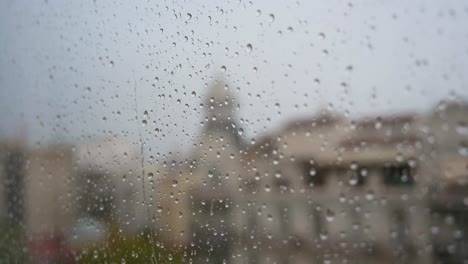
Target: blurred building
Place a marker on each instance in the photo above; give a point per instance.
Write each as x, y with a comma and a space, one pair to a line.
57, 198
326, 188
320, 189
447, 134
37, 203
110, 182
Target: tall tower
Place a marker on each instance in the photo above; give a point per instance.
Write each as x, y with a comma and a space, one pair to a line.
220, 110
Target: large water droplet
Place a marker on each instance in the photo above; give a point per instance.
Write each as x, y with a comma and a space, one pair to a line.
353, 179
370, 195
270, 217
330, 215
249, 48
272, 18
312, 172
462, 128
463, 149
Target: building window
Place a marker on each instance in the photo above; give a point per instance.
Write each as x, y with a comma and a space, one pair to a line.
314, 176
398, 176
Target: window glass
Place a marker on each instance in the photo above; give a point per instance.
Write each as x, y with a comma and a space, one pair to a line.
234, 131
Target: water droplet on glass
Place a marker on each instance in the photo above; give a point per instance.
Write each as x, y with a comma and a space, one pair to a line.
463, 149
278, 175
248, 48
465, 201
330, 215
323, 236
272, 18
353, 179
312, 172
462, 129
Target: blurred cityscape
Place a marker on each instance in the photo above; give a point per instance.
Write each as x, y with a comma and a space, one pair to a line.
322, 189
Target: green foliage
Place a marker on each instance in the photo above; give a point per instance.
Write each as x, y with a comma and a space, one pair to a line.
119, 248
12, 244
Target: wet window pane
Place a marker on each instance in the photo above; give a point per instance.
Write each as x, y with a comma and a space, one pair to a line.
234, 132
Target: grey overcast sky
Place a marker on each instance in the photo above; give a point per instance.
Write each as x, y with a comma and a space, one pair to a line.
69, 69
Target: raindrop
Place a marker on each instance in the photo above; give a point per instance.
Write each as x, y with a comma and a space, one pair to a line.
353, 179
278, 175
272, 18
249, 48
378, 123
330, 215
370, 195
257, 176
463, 149
462, 129
364, 172
270, 217
313, 172
323, 236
